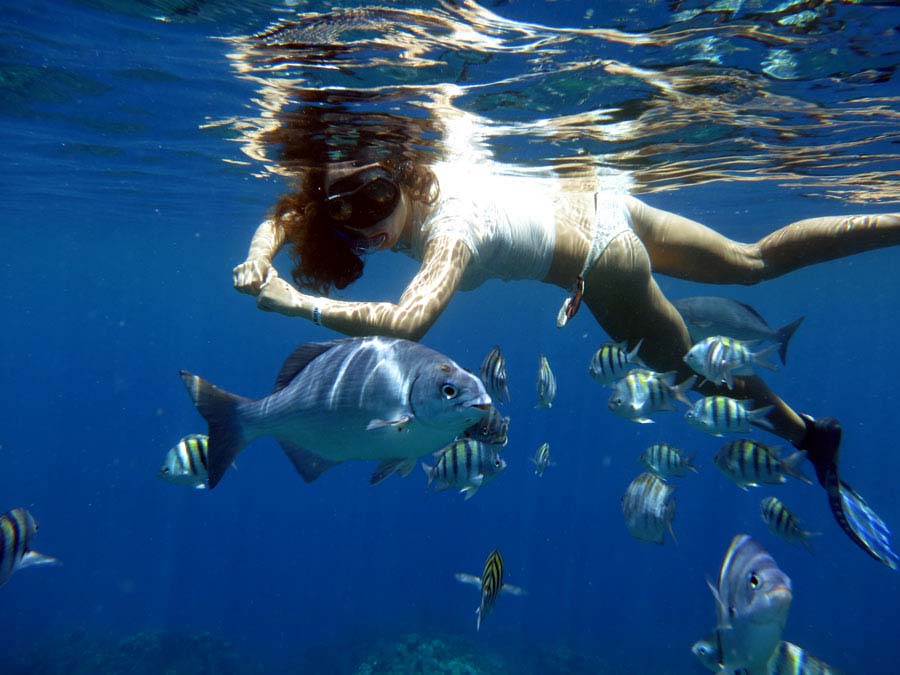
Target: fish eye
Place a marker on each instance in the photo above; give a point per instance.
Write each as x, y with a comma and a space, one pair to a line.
448, 390
497, 462
754, 581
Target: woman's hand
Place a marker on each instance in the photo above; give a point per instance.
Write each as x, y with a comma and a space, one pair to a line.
252, 274
277, 295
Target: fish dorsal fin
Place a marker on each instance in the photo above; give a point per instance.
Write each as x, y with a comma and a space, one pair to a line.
298, 360
752, 311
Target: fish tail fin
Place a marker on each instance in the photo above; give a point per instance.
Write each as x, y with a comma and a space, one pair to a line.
680, 390
633, 355
689, 463
221, 411
759, 417
761, 358
783, 335
805, 537
791, 466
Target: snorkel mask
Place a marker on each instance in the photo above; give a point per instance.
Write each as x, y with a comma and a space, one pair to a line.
357, 202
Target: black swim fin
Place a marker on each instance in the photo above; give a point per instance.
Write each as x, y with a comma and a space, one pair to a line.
864, 527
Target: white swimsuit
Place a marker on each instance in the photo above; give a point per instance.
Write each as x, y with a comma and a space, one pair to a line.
508, 221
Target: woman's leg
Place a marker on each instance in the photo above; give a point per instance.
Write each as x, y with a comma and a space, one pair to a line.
683, 248
626, 301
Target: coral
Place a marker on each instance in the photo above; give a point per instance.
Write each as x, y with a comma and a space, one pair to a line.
145, 653
441, 655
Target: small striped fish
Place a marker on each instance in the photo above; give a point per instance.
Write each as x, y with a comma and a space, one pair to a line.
666, 461
546, 384
782, 523
749, 463
719, 359
493, 375
612, 361
492, 429
719, 415
649, 508
789, 659
17, 530
643, 392
464, 464
187, 462
541, 460
491, 584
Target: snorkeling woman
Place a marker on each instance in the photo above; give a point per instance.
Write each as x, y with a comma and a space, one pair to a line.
468, 221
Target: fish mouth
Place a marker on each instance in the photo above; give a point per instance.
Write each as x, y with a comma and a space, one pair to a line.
482, 403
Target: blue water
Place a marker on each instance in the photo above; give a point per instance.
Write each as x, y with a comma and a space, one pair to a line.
120, 226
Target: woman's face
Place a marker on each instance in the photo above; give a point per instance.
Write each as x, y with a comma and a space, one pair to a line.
366, 205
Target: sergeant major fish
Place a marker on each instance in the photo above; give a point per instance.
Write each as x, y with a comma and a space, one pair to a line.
493, 375
718, 359
465, 464
787, 659
782, 523
186, 462
491, 584
541, 460
546, 384
612, 361
719, 415
749, 463
17, 531
649, 508
711, 315
666, 461
492, 429
753, 598
356, 398
643, 392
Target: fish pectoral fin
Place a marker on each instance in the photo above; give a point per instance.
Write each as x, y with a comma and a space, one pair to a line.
477, 480
469, 491
387, 467
308, 464
643, 420
32, 558
513, 590
464, 578
381, 424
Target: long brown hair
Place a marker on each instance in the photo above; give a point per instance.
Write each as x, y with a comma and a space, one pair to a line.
323, 132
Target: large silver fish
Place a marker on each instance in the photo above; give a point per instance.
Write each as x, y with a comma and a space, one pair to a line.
17, 530
708, 315
753, 598
369, 398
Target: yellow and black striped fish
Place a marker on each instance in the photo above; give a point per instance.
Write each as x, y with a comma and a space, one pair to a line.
782, 523
789, 659
493, 375
546, 384
491, 583
720, 415
612, 361
17, 529
749, 463
667, 461
187, 463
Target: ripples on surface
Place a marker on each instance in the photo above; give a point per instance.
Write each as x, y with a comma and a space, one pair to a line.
799, 93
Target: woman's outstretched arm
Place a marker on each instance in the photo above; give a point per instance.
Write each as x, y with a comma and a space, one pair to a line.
422, 302
257, 269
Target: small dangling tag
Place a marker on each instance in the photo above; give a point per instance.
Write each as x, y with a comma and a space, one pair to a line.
572, 304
